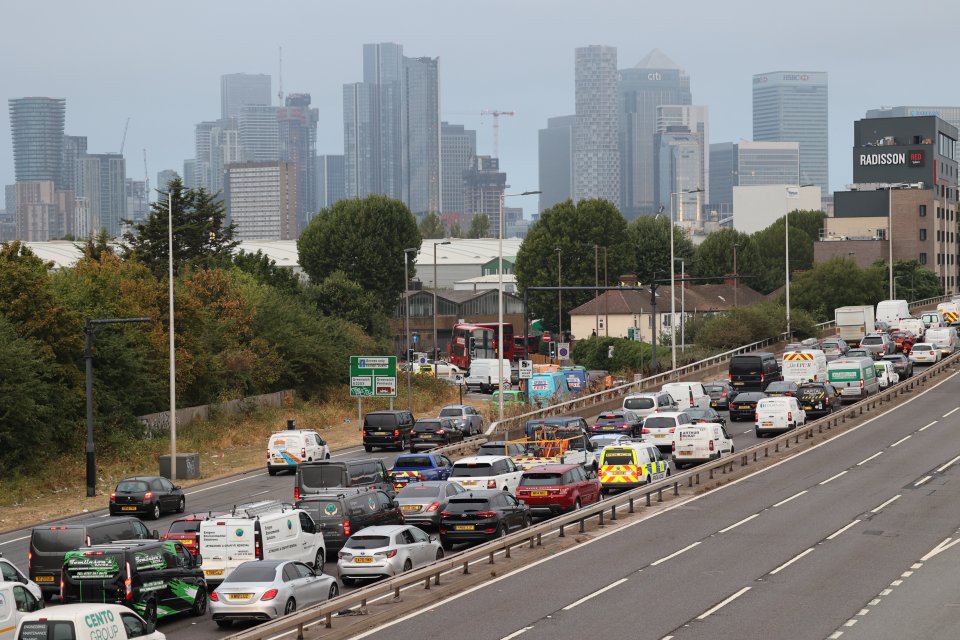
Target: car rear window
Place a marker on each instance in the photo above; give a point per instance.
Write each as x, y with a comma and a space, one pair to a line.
319, 476
412, 462
426, 426
603, 420
873, 340
57, 540
657, 422
541, 479
132, 486
185, 526
380, 420
47, 630
419, 491
638, 403
746, 365
923, 346
466, 505
451, 413
367, 542
617, 457
253, 572
472, 470
321, 508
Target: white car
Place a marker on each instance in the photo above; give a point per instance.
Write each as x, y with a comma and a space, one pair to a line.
886, 375
487, 472
16, 601
378, 552
700, 442
924, 352
659, 428
287, 449
443, 369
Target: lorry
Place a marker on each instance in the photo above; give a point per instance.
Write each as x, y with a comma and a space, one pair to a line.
853, 323
418, 467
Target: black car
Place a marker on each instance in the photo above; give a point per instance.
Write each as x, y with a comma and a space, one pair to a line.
330, 476
744, 407
423, 502
149, 495
434, 432
705, 415
781, 388
482, 515
387, 429
721, 394
818, 398
342, 513
901, 364
620, 422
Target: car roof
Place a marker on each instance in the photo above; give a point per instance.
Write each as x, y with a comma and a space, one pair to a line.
455, 406
666, 414
381, 530
201, 516
477, 493
74, 611
552, 468
753, 395
141, 478
484, 459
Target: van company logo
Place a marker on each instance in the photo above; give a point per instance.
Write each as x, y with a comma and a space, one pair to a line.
238, 533
289, 524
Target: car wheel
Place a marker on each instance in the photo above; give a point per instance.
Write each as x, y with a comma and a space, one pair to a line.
150, 612
503, 531
272, 472
527, 522
199, 603
318, 559
577, 504
155, 512
334, 591
290, 607
439, 554
224, 624
367, 448
408, 565
182, 505
446, 544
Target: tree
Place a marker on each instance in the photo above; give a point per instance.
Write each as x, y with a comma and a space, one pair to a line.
479, 226
744, 325
714, 257
364, 238
771, 244
913, 282
96, 245
836, 283
265, 270
574, 230
432, 227
341, 297
650, 235
202, 238
456, 231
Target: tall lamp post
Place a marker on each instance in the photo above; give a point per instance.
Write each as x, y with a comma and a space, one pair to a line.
673, 297
791, 193
736, 278
406, 325
559, 300
173, 353
436, 351
503, 196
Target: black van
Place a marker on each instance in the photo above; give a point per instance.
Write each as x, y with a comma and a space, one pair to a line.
325, 475
342, 513
387, 429
155, 579
49, 542
754, 371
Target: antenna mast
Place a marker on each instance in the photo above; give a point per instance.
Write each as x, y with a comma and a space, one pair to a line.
280, 91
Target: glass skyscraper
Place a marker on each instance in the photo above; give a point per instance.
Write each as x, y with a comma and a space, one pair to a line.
37, 127
238, 90
596, 154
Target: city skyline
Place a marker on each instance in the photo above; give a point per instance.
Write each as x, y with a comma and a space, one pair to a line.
165, 89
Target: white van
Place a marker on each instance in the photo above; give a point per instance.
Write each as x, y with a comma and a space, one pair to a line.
944, 339
805, 365
949, 310
776, 415
891, 311
287, 449
16, 601
484, 376
688, 394
267, 530
914, 326
886, 375
932, 319
86, 622
853, 377
700, 442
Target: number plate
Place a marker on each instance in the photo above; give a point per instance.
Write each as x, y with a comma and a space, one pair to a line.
186, 542
213, 572
767, 423
686, 453
807, 407
128, 508
427, 436
713, 403
538, 493
463, 527
239, 596
43, 579
606, 428
279, 461
363, 560
410, 507
660, 435
379, 433
738, 384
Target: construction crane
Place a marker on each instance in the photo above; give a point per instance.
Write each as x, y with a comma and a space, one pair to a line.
496, 127
123, 141
146, 176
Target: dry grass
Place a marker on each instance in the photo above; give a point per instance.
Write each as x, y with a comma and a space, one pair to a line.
227, 444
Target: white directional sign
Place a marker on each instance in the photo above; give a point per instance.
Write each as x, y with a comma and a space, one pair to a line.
526, 369
458, 379
563, 350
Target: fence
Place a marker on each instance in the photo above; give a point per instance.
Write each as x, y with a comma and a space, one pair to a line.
158, 423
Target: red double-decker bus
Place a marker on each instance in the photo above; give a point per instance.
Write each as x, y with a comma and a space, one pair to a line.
485, 336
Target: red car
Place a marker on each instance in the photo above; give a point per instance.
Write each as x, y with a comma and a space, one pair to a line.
904, 340
186, 530
550, 489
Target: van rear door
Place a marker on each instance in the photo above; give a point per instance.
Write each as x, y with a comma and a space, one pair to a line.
224, 544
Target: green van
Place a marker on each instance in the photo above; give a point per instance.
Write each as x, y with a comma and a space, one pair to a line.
853, 377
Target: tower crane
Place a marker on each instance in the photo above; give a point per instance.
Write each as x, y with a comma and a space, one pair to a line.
496, 126
123, 141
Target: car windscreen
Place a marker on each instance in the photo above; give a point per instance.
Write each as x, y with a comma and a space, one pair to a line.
431, 425
491, 450
380, 420
466, 505
713, 388
253, 572
617, 457
779, 386
638, 403
541, 479
923, 346
657, 422
412, 462
322, 508
324, 475
367, 542
415, 491
811, 392
185, 526
53, 540
745, 366
451, 413
132, 486
472, 470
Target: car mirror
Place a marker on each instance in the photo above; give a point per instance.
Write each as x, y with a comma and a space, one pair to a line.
151, 627
522, 502
432, 538
198, 560
177, 487
156, 534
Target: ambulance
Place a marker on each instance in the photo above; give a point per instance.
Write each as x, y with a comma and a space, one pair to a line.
626, 466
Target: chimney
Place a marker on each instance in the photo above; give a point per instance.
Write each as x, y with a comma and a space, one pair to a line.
628, 280
729, 280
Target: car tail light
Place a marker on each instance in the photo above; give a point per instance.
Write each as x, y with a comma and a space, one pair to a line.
396, 433
711, 445
730, 377
127, 585
268, 455
445, 514
441, 431
485, 514
148, 495
389, 553
723, 394
761, 378
113, 496
789, 415
303, 454
433, 507
861, 385
214, 597
644, 430
491, 484
257, 546
296, 493
269, 594
419, 477
673, 429
756, 417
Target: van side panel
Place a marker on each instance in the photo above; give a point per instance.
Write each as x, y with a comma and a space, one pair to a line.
225, 543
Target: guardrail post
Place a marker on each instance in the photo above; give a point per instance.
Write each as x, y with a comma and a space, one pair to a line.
328, 620
689, 481
613, 513
676, 490
539, 539
300, 631
711, 473
698, 478
490, 560
631, 505
600, 513
426, 583
507, 554
396, 593
648, 498
436, 578
583, 525
466, 567
766, 452
660, 494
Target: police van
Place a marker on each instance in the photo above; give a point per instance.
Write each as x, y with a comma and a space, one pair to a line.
626, 466
268, 530
86, 622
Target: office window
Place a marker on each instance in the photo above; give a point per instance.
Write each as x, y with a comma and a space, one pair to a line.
923, 258
923, 211
923, 234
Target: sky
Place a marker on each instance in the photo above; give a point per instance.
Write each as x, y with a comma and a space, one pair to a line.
159, 64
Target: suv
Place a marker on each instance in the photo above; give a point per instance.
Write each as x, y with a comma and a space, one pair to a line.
878, 345
339, 514
468, 419
387, 429
501, 448
433, 432
478, 516
155, 579
320, 477
660, 428
643, 404
49, 543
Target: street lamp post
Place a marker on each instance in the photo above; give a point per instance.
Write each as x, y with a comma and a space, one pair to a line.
736, 279
673, 297
596, 284
436, 352
173, 353
559, 300
406, 325
786, 239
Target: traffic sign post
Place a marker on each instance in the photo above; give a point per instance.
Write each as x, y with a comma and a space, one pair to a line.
373, 376
459, 380
563, 350
526, 369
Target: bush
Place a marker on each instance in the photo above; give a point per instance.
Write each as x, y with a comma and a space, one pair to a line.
628, 355
744, 325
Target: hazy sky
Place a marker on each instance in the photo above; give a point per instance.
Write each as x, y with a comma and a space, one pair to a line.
159, 63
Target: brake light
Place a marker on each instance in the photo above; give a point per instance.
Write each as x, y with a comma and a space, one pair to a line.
441, 431
711, 445
723, 394
730, 377
269, 594
346, 527
445, 514
296, 493
127, 585
303, 454
268, 460
672, 429
257, 546
396, 433
861, 385
789, 415
433, 507
644, 430
387, 554
761, 378
62, 589
148, 495
113, 497
214, 597
419, 477
491, 484
485, 514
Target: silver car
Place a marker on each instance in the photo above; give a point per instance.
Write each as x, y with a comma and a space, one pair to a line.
377, 552
261, 590
422, 502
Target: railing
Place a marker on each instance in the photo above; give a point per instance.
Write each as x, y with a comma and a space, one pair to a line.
533, 536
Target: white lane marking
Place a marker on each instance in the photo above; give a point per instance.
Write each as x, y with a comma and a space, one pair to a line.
896, 583
674, 554
796, 495
951, 412
346, 452
906, 574
13, 540
850, 623
863, 462
903, 439
833, 477
594, 594
874, 602
839, 531
747, 431
916, 565
886, 592
790, 561
928, 426
863, 612
940, 548
516, 633
722, 604
835, 635
737, 524
668, 509
893, 499
224, 484
260, 493
922, 480
940, 470
667, 638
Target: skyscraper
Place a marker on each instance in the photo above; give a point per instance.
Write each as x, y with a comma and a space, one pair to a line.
238, 90
101, 179
947, 114
458, 145
74, 148
259, 133
297, 126
596, 155
359, 131
485, 184
555, 149
693, 122
750, 164
791, 106
383, 70
329, 180
422, 134
37, 128
262, 200
654, 81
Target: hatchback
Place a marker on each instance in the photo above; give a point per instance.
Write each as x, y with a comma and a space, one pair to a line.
478, 516
621, 421
433, 432
150, 495
705, 415
379, 552
659, 428
745, 406
901, 364
422, 502
501, 448
834, 349
721, 394
781, 388
925, 352
186, 530
555, 488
